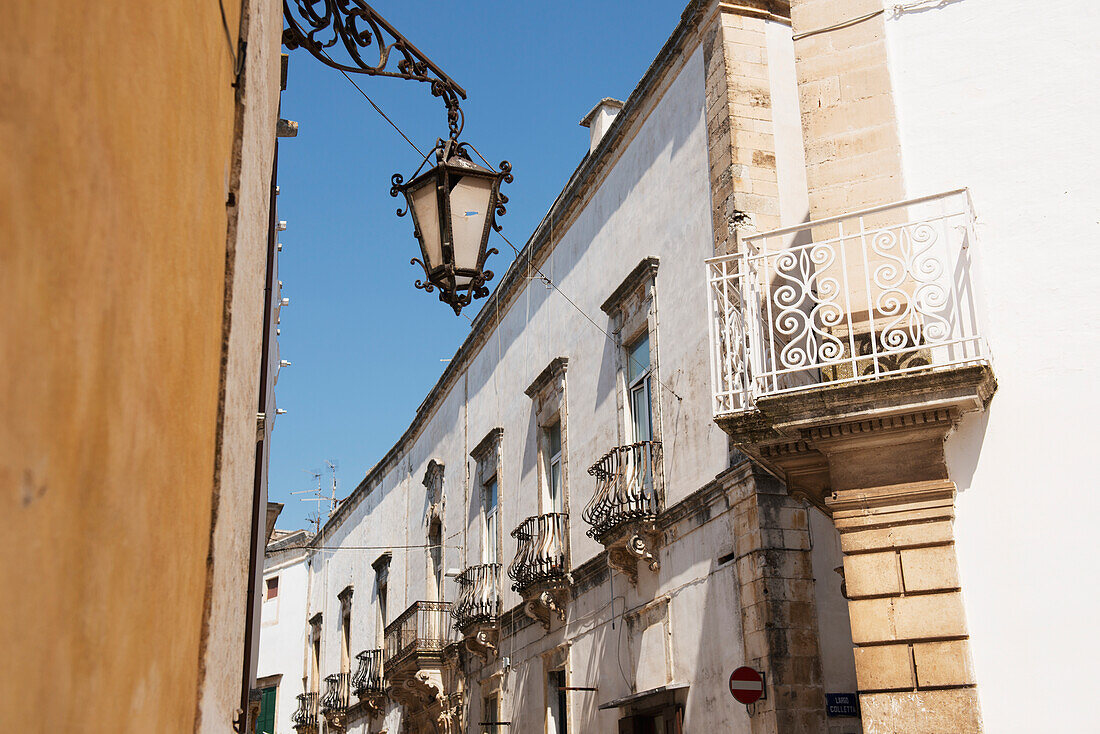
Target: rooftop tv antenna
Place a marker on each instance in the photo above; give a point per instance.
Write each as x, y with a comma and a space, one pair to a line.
318, 495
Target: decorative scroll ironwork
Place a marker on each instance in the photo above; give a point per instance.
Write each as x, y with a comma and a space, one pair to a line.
540, 555
625, 488
368, 676
478, 596
353, 26
883, 291
304, 718
337, 689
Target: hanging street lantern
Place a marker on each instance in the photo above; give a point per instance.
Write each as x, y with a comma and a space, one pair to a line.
454, 206
455, 203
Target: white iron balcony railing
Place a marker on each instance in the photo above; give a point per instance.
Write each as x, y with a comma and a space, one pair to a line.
540, 552
878, 292
625, 488
478, 596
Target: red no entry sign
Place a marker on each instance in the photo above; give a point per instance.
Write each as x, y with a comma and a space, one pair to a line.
746, 685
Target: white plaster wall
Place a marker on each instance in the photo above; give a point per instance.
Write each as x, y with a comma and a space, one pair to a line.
653, 200
283, 632
1000, 96
790, 154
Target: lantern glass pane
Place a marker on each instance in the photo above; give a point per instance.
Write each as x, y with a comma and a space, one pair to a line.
425, 207
470, 197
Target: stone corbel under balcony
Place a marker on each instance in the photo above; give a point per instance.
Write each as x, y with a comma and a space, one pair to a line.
625, 506
481, 640
633, 544
835, 436
547, 598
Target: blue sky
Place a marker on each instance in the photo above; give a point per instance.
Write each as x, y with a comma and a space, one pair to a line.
364, 344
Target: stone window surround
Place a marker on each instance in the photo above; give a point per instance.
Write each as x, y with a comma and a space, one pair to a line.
632, 308
554, 660
489, 464
548, 393
344, 597
381, 566
434, 515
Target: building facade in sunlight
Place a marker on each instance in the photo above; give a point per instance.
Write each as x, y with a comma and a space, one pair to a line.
757, 392
563, 541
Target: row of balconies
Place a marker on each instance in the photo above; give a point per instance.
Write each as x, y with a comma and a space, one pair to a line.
415, 641
621, 514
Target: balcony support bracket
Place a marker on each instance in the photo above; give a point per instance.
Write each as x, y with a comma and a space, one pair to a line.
545, 599
482, 641
637, 543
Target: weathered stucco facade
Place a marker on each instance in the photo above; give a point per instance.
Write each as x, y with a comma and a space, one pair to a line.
726, 569
901, 382
136, 189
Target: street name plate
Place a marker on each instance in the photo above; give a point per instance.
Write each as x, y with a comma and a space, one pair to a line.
842, 704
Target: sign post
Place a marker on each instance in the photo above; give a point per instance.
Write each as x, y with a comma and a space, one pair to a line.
747, 685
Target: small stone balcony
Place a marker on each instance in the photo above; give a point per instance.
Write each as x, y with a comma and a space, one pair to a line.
540, 570
476, 613
334, 701
624, 508
419, 661
305, 719
368, 684
847, 326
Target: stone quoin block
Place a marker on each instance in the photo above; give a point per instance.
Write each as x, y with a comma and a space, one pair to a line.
884, 668
943, 663
953, 711
872, 574
930, 569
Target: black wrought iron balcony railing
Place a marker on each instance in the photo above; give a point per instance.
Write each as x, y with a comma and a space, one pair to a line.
304, 717
541, 555
368, 676
626, 488
337, 689
478, 596
422, 628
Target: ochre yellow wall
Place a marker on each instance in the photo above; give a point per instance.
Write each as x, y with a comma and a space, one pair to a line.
116, 127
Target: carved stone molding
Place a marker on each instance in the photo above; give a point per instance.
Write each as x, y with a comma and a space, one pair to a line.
373, 704
546, 599
482, 641
638, 543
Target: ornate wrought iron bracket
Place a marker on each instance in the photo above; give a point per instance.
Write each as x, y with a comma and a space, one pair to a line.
354, 26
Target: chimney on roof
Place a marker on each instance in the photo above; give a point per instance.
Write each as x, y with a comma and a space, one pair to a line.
600, 117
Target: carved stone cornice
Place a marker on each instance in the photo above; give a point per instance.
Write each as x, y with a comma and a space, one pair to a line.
554, 369
831, 437
485, 445
643, 273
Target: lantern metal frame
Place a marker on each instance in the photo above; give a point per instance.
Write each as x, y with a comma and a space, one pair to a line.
353, 26
452, 158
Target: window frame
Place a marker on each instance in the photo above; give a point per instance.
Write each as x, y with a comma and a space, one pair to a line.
490, 520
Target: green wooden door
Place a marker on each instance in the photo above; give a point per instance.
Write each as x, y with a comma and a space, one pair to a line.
266, 723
